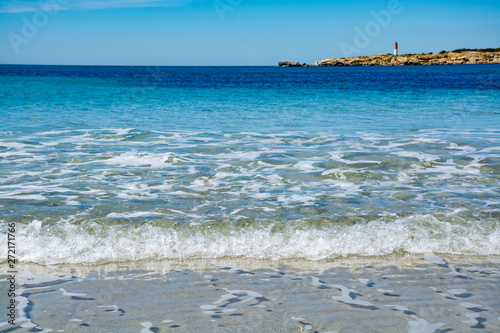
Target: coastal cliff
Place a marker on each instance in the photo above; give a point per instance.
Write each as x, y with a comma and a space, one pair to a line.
457, 57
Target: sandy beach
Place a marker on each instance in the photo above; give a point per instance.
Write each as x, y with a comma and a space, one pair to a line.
427, 293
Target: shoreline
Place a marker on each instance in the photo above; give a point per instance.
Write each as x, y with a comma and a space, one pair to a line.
389, 294
458, 57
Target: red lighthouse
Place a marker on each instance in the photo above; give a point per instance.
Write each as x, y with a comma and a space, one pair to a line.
396, 48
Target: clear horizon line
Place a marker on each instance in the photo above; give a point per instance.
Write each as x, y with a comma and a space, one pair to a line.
2, 64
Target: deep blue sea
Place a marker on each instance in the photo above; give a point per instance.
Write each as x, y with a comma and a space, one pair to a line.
110, 164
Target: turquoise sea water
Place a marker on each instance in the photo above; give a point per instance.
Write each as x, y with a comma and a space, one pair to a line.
105, 164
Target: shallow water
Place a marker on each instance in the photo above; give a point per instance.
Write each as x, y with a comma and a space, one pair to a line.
110, 164
251, 199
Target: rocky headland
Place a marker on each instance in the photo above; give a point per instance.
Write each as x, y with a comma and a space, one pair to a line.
457, 57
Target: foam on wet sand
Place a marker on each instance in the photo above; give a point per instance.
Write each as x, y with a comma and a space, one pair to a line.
392, 294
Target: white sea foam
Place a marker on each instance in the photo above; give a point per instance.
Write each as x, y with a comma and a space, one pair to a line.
71, 243
131, 215
153, 160
31, 192
348, 188
307, 166
306, 200
418, 155
201, 184
241, 155
231, 177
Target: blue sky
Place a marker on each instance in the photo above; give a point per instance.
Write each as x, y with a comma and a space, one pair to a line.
236, 32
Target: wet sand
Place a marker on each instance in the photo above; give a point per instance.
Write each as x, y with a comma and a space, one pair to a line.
391, 294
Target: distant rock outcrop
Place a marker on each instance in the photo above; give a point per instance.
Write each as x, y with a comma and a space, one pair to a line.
292, 64
457, 57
